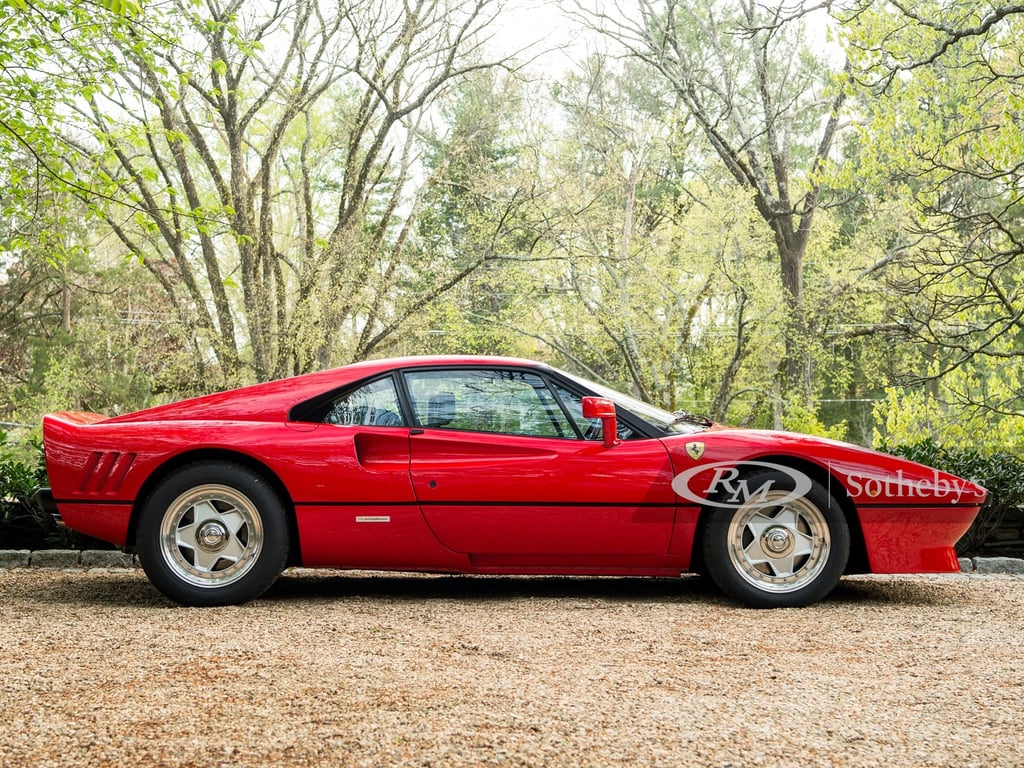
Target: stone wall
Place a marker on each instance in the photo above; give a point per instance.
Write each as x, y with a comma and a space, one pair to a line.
66, 558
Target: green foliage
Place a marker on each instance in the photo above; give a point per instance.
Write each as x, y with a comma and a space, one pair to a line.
81, 330
906, 416
939, 88
1001, 472
765, 106
800, 418
22, 524
121, 7
196, 198
456, 326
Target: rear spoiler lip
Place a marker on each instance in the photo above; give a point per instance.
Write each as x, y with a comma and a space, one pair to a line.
77, 418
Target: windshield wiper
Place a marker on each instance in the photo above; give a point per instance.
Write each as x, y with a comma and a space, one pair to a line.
685, 417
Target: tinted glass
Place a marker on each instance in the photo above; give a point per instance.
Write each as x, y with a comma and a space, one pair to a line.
656, 417
510, 402
591, 429
373, 404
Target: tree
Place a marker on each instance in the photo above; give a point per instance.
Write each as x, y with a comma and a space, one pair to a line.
766, 108
652, 272
619, 187
940, 89
35, 41
79, 330
54, 308
260, 162
485, 199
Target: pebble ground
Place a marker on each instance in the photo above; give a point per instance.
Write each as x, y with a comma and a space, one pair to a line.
331, 669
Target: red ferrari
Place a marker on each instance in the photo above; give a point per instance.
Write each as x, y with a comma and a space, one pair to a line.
487, 466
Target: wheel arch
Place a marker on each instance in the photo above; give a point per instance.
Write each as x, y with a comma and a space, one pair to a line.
858, 559
201, 455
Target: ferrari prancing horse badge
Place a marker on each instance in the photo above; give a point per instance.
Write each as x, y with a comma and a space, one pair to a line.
695, 450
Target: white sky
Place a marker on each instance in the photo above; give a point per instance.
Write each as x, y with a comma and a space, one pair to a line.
554, 38
557, 41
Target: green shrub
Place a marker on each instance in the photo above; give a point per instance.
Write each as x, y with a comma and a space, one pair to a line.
1002, 473
23, 525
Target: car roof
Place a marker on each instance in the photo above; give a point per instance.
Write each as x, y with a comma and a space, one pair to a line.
273, 400
413, 361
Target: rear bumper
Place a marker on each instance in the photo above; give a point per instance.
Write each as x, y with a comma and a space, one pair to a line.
107, 521
44, 498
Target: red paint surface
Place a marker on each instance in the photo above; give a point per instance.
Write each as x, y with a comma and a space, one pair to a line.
476, 502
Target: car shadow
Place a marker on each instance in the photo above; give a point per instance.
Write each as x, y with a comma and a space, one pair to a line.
313, 586
688, 589
131, 588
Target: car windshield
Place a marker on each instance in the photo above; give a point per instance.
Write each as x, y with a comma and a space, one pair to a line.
677, 423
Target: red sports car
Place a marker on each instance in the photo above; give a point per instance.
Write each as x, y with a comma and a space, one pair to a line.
488, 466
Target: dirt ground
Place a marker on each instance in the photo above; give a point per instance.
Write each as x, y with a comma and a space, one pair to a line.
332, 669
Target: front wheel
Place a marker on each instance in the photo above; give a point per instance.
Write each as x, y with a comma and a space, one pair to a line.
213, 534
776, 549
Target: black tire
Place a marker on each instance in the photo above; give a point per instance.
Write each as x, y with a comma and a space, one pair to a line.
781, 555
213, 533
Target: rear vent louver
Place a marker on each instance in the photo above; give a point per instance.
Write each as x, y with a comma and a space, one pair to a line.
105, 471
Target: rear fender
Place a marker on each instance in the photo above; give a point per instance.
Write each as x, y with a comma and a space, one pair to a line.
200, 456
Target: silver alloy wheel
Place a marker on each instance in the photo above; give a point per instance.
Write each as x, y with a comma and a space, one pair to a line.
211, 535
779, 548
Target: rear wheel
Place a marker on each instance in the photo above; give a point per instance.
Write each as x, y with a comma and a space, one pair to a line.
777, 550
213, 534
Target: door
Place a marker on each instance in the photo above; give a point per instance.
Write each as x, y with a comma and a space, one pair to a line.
501, 468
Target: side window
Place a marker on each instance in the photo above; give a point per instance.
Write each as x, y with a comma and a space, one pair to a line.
592, 429
509, 402
373, 404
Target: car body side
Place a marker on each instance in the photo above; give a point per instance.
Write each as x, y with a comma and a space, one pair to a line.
358, 497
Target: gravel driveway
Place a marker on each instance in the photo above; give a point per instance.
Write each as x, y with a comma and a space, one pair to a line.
331, 669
